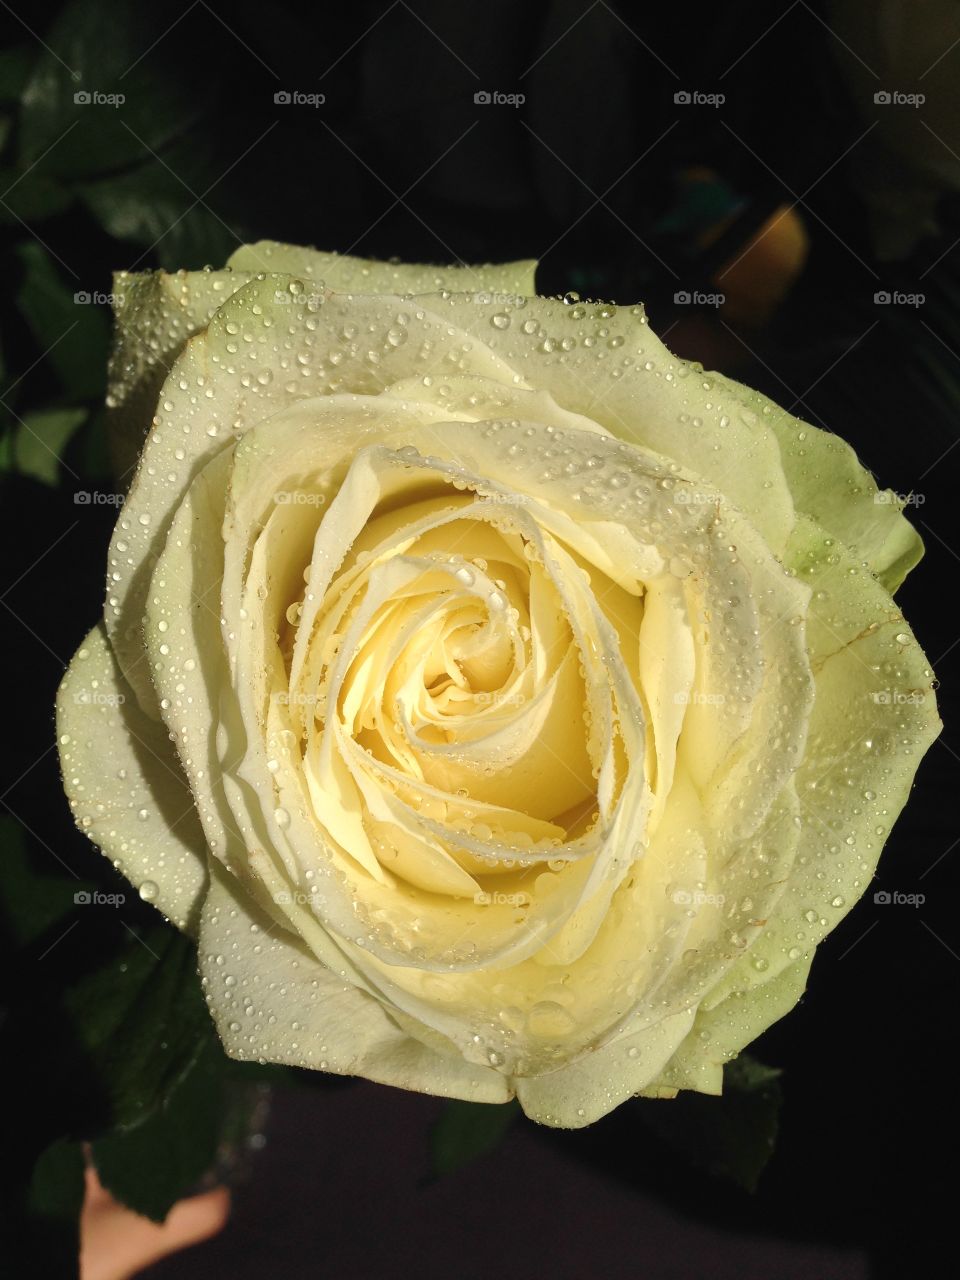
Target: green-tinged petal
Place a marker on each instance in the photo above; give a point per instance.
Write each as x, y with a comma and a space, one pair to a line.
363, 275
271, 999
583, 1091
605, 362
154, 315
830, 484
720, 1033
125, 786
873, 719
472, 397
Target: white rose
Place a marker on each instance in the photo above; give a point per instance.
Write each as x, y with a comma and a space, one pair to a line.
509, 705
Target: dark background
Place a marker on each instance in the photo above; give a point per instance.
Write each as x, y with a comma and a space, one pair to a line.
623, 194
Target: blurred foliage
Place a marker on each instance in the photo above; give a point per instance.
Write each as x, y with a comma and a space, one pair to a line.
467, 1130
732, 1137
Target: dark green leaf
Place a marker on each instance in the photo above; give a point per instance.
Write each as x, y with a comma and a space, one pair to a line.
33, 900
156, 205
748, 1075
105, 1013
467, 1130
141, 1019
732, 1136
150, 1167
40, 440
15, 64
30, 197
104, 53
67, 324
48, 1231
95, 462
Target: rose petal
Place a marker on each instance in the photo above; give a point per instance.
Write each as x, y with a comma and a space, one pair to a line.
605, 362
581, 1092
125, 787
364, 275
272, 1000
862, 753
667, 665
829, 484
155, 314
721, 1032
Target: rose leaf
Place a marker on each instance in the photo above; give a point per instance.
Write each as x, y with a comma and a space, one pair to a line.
466, 1131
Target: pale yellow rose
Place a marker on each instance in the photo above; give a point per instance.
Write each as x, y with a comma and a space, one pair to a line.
507, 705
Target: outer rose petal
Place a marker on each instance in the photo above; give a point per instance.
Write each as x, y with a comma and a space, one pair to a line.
606, 362
190, 674
363, 275
272, 999
831, 485
863, 750
154, 316
587, 1089
718, 1034
124, 784
156, 312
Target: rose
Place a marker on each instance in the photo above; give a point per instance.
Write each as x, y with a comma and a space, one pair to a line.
506, 715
